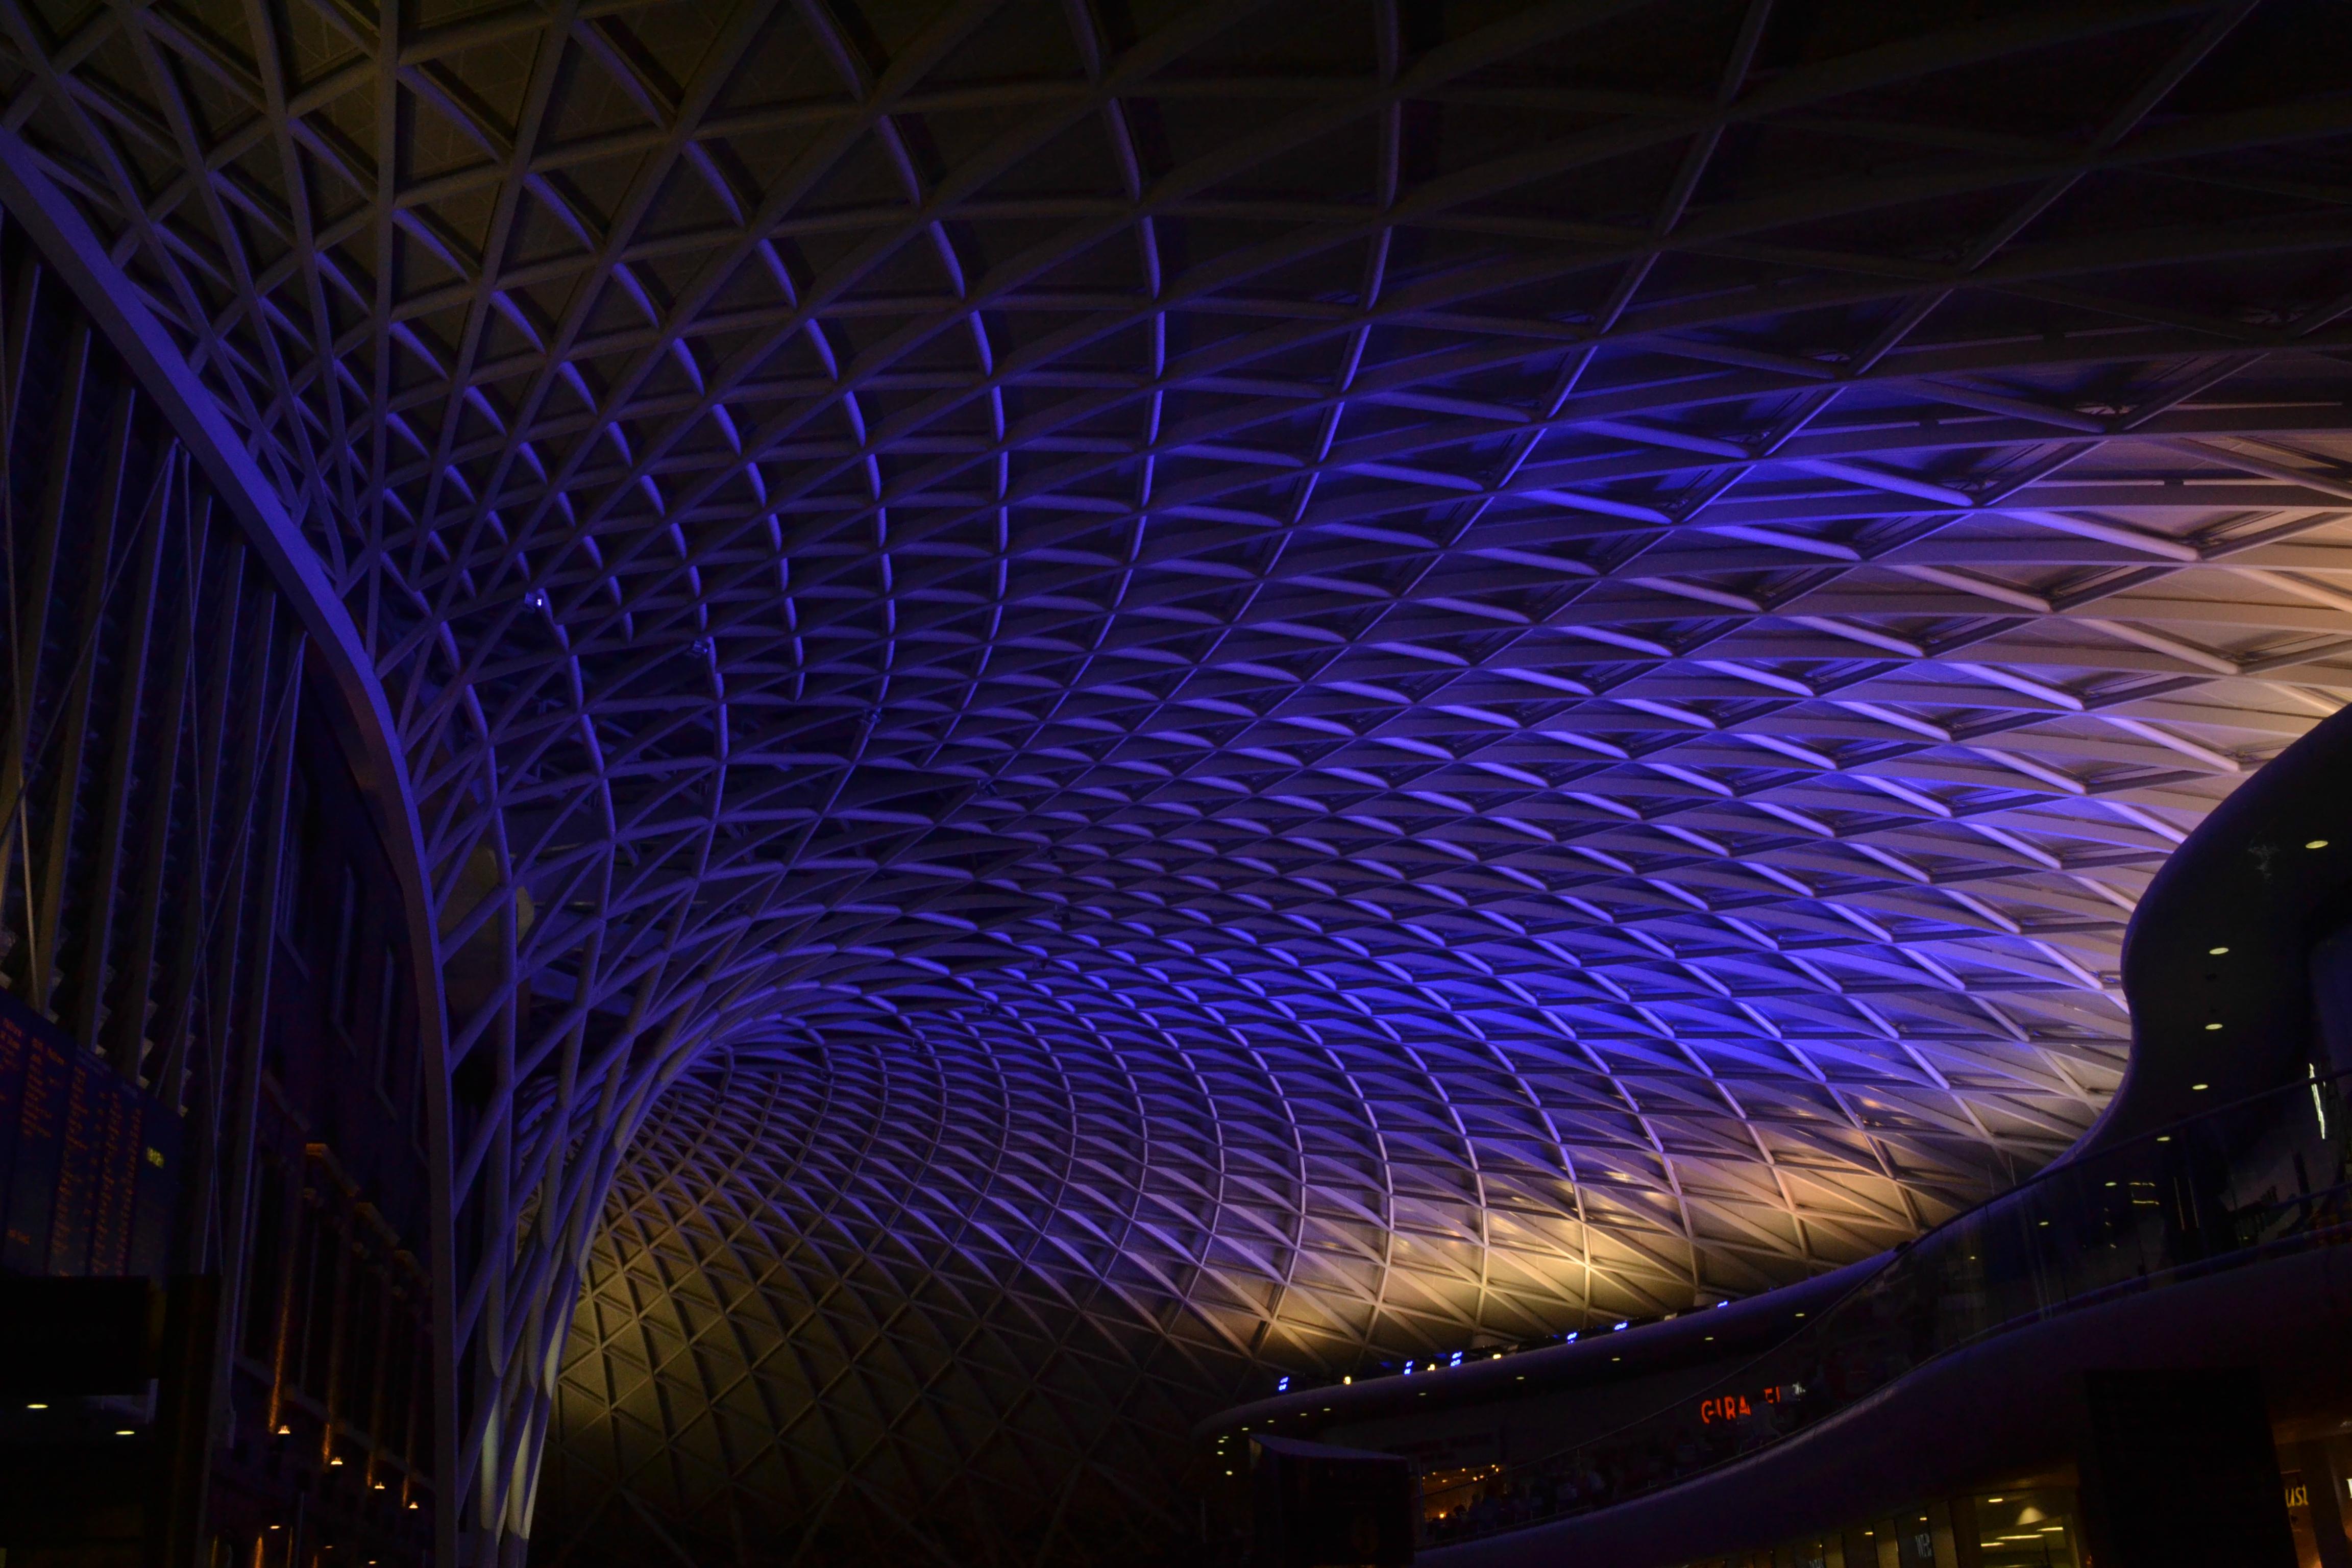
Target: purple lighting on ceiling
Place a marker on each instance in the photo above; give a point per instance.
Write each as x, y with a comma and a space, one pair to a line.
1235, 722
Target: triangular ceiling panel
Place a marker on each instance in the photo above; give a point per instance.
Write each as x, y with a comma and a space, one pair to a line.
1173, 694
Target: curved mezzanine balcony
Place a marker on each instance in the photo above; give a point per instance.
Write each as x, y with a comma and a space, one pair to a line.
2221, 1174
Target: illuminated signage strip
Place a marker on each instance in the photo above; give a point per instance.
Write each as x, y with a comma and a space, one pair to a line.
1739, 1406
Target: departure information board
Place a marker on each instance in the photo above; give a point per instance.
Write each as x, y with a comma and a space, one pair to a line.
88, 1165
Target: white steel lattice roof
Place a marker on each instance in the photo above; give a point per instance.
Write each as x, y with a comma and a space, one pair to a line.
1198, 690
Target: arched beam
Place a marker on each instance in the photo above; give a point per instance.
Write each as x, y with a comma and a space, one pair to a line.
369, 735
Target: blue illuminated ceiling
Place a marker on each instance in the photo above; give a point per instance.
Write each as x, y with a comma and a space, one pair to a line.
1234, 690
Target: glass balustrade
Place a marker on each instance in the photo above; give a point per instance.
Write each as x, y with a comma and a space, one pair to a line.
2241, 1182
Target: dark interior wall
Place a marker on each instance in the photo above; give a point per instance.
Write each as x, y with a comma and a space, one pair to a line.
198, 915
2179, 1470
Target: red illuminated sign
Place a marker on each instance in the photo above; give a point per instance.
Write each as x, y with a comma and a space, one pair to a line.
1737, 1406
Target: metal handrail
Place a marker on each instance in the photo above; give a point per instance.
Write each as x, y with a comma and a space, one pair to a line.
2267, 1174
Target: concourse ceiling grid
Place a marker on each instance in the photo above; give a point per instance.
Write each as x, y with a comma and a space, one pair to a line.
852, 1380
1349, 679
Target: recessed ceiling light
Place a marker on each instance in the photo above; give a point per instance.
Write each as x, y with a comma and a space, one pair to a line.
2217, 951
2316, 844
2211, 1027
2200, 1087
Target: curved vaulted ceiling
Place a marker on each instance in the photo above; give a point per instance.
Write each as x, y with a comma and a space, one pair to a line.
1160, 692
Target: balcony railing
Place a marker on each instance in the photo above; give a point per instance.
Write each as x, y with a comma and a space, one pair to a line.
2241, 1182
